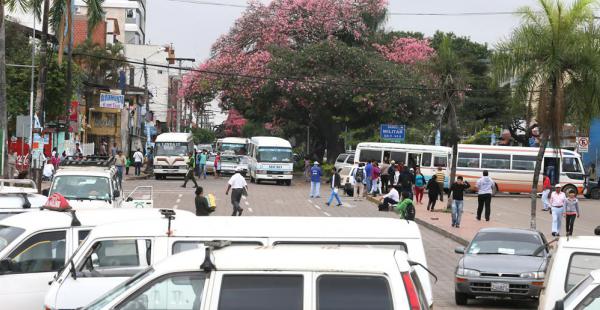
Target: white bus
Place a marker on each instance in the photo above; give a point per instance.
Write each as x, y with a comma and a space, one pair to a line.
270, 159
238, 145
427, 157
171, 154
512, 167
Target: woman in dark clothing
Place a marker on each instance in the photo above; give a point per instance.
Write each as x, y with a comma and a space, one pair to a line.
202, 207
433, 191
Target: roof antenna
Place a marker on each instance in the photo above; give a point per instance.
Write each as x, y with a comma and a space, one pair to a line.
74, 220
169, 215
208, 265
26, 202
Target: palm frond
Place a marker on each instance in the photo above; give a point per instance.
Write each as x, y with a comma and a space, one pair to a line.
95, 13
13, 5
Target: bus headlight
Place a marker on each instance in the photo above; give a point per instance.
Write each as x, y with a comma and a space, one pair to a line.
287, 172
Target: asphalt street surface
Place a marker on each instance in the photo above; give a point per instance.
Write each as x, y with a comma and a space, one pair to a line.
279, 200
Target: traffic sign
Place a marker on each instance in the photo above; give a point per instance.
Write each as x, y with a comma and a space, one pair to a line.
390, 132
583, 144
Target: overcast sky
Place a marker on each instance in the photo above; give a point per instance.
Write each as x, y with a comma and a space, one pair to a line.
192, 28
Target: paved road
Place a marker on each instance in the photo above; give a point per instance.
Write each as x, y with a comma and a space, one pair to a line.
273, 200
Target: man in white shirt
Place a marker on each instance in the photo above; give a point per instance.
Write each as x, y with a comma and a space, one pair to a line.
391, 198
138, 159
48, 171
557, 202
485, 188
238, 185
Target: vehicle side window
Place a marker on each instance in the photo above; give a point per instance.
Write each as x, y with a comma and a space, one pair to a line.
591, 301
350, 159
262, 292
580, 266
170, 292
468, 160
495, 161
571, 164
336, 292
43, 252
366, 155
522, 162
82, 234
341, 158
440, 161
426, 160
398, 157
117, 258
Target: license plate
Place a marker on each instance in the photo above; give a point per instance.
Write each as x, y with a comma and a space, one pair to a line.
500, 287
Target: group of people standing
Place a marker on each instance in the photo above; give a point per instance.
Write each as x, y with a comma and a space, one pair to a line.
560, 204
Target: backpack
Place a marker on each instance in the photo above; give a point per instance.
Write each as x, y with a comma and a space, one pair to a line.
359, 175
410, 212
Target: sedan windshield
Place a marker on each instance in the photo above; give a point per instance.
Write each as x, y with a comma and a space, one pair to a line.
506, 243
81, 187
275, 155
8, 234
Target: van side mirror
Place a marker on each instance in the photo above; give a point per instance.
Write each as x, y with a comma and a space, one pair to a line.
559, 305
5, 265
116, 193
459, 250
95, 260
45, 192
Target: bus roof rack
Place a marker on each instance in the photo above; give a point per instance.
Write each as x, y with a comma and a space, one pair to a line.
93, 160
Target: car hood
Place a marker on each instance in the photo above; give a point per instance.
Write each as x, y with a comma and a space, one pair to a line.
503, 263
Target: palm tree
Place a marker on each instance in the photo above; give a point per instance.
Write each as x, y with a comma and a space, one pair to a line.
446, 65
555, 53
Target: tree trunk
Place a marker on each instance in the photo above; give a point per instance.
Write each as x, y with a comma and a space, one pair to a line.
454, 141
69, 90
536, 178
3, 103
40, 97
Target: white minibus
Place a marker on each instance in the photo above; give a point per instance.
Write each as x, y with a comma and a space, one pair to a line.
171, 154
113, 253
271, 159
238, 145
427, 157
512, 168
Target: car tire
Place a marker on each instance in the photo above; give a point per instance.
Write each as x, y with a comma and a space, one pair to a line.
569, 188
595, 193
288, 182
461, 299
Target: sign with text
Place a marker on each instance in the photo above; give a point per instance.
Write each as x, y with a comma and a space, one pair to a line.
583, 144
112, 101
390, 132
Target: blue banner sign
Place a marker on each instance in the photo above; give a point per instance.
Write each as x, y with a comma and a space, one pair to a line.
390, 132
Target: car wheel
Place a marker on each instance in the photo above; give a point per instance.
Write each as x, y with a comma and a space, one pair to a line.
461, 299
595, 193
569, 188
257, 181
288, 182
251, 179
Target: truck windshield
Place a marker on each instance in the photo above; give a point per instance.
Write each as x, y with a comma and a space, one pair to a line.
172, 148
8, 234
81, 187
274, 155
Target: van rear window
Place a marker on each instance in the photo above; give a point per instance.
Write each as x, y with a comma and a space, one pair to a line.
335, 292
262, 292
580, 266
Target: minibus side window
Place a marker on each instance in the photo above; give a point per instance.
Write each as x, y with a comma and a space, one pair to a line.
398, 157
264, 292
368, 155
117, 258
43, 252
426, 160
468, 160
353, 293
570, 164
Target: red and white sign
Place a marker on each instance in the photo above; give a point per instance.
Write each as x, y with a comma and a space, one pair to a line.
583, 144
57, 202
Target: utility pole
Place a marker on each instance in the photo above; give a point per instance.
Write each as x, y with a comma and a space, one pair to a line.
146, 97
69, 93
179, 108
3, 103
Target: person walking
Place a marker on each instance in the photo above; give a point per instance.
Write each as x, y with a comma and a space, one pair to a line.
368, 173
315, 180
217, 164
198, 171
358, 179
485, 186
120, 162
201, 203
335, 184
440, 176
592, 173
406, 181
433, 191
390, 199
12, 165
557, 203
403, 205
114, 150
419, 185
375, 179
238, 187
189, 175
571, 211
457, 190
202, 161
138, 159
546, 189
385, 176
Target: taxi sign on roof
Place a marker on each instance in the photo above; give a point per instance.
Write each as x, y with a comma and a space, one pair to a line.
57, 202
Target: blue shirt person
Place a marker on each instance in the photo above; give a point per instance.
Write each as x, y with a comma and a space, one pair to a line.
315, 180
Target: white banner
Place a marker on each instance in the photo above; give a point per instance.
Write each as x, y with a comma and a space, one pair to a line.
112, 101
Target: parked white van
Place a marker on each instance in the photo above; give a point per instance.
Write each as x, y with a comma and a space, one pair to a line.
35, 245
573, 259
585, 295
113, 253
271, 159
273, 278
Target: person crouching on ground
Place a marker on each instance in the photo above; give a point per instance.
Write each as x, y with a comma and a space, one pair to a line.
201, 203
389, 199
335, 185
404, 202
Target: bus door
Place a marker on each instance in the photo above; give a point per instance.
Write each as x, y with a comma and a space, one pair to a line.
551, 168
414, 160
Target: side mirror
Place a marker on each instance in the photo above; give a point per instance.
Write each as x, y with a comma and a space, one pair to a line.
5, 265
116, 193
459, 250
129, 199
95, 260
45, 192
559, 305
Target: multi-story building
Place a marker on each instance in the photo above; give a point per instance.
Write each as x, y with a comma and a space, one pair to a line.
130, 15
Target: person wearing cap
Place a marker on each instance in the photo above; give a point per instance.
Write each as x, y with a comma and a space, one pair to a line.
557, 202
315, 180
237, 184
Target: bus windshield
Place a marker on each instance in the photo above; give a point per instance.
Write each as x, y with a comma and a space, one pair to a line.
237, 148
172, 148
274, 155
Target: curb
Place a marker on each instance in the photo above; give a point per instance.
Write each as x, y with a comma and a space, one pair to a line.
141, 177
462, 241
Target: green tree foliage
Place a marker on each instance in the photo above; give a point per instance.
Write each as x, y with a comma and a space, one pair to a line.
100, 65
202, 135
